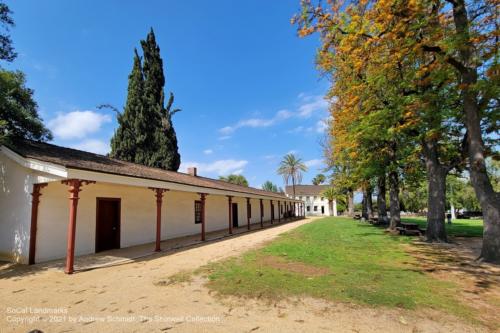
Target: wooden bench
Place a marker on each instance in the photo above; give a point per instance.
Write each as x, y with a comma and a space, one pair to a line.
409, 229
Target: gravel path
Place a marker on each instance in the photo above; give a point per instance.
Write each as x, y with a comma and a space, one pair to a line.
129, 298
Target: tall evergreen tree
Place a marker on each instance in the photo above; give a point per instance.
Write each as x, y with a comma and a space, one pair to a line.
146, 134
123, 143
163, 152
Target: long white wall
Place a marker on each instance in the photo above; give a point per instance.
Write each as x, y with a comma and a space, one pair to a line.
138, 216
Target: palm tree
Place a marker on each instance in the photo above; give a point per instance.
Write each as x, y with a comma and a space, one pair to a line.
319, 179
270, 187
330, 194
235, 179
291, 169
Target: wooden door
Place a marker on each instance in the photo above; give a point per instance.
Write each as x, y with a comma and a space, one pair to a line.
235, 215
107, 224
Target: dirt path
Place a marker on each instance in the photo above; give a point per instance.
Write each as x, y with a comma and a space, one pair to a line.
129, 298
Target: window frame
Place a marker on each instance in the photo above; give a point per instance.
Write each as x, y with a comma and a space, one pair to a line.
197, 212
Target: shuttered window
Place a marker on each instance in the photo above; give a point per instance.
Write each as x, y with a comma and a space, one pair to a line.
197, 211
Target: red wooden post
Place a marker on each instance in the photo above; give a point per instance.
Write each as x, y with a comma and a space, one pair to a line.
159, 196
74, 189
261, 214
230, 213
248, 213
35, 200
279, 211
202, 199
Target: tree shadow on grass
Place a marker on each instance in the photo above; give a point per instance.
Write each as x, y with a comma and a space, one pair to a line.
458, 257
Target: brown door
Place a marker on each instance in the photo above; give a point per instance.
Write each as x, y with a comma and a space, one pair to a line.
107, 224
235, 215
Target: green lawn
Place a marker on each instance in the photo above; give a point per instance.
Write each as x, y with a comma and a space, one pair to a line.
462, 228
336, 259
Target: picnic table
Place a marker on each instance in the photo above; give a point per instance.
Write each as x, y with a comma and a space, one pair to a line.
410, 229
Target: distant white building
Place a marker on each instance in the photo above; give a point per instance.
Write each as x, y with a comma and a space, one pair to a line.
316, 204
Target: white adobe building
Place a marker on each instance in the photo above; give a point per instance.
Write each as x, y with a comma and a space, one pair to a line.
113, 204
315, 203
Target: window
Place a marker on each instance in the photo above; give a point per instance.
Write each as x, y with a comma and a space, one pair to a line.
322, 198
315, 208
197, 211
314, 197
308, 208
307, 198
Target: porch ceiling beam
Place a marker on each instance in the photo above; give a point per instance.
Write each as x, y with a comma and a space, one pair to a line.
173, 186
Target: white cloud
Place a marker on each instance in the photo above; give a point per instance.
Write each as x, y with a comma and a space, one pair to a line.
269, 157
225, 137
311, 104
93, 146
208, 151
219, 167
313, 163
77, 124
297, 129
256, 122
321, 125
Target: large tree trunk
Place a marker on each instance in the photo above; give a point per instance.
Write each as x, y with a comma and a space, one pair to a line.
436, 197
394, 200
364, 206
369, 202
381, 203
350, 203
488, 198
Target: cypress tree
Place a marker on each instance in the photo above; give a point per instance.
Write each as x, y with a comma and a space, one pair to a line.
124, 141
146, 134
160, 144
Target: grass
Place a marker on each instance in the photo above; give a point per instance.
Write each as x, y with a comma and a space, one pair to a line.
460, 228
356, 262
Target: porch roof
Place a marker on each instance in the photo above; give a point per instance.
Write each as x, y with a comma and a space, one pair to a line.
82, 160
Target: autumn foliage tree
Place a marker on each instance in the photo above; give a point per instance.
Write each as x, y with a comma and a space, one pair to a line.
414, 83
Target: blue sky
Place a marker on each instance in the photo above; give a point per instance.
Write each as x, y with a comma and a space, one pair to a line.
246, 84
